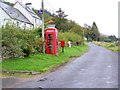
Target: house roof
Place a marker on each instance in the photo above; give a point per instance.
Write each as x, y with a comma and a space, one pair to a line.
14, 13
30, 10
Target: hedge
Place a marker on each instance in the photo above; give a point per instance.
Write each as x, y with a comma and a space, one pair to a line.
21, 43
17, 42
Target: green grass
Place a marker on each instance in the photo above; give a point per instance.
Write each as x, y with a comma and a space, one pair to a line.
114, 48
43, 62
109, 45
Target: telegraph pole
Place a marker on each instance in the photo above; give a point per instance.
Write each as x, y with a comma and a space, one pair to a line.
43, 41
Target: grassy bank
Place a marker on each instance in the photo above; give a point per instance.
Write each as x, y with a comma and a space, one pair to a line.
43, 62
109, 45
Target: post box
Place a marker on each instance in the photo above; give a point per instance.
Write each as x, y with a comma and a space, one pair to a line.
62, 43
52, 41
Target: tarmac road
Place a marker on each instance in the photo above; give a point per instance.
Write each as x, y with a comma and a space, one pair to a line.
98, 68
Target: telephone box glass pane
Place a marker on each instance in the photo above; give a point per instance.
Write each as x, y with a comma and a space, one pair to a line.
50, 43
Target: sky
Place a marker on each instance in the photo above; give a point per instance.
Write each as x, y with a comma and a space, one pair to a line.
103, 12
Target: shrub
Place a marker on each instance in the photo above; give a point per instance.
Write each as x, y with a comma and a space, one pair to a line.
107, 40
17, 42
26, 51
70, 36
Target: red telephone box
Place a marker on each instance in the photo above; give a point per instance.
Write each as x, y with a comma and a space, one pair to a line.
52, 41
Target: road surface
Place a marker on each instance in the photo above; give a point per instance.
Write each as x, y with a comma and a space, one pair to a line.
98, 68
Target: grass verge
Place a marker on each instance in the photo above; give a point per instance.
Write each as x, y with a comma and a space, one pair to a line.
43, 62
109, 45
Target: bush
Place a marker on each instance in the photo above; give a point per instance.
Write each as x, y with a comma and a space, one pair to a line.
19, 43
107, 40
26, 51
70, 36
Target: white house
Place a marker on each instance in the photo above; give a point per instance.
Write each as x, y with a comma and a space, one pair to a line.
10, 15
27, 11
22, 15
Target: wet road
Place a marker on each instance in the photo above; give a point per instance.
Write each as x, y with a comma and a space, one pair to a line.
98, 68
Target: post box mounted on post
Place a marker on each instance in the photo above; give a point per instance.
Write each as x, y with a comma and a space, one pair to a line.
62, 44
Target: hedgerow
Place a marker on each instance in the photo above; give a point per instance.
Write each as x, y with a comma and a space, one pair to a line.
18, 42
71, 36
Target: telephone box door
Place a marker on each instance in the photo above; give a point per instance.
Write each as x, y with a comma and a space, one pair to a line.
49, 46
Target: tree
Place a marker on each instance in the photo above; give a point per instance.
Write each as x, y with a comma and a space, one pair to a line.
60, 19
113, 38
95, 34
77, 29
61, 13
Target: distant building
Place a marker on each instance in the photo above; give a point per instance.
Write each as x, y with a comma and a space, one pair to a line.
21, 15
